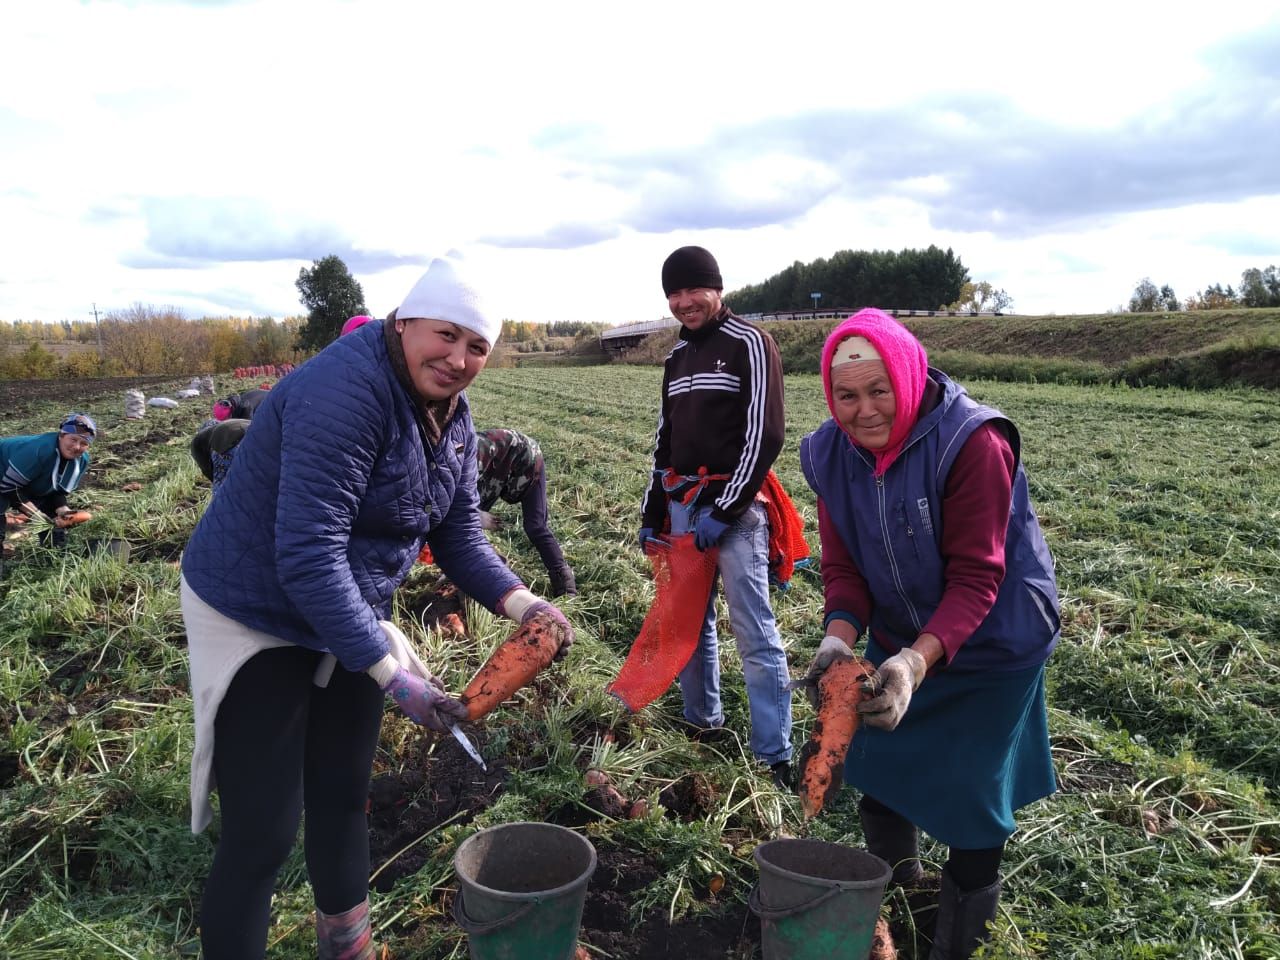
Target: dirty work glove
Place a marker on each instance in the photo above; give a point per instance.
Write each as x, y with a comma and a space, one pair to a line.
522, 605
424, 701
829, 651
552, 611
708, 532
489, 522
893, 684
646, 534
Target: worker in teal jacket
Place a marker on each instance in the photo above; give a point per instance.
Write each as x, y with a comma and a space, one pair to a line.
38, 471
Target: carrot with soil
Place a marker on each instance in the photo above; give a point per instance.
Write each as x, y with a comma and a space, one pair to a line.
513, 665
839, 693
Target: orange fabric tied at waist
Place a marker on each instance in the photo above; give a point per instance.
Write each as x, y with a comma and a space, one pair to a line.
675, 483
683, 576
787, 545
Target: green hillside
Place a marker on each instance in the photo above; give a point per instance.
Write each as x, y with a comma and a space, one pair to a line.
1206, 348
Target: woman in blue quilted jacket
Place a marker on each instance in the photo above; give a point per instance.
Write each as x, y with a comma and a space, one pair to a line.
357, 459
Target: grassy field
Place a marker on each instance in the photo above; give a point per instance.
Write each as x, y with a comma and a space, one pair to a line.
1161, 507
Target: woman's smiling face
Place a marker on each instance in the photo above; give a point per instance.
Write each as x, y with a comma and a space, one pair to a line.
443, 358
864, 402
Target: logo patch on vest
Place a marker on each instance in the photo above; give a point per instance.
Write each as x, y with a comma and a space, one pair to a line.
923, 506
719, 366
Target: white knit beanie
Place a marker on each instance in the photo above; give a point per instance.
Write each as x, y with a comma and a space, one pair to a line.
441, 294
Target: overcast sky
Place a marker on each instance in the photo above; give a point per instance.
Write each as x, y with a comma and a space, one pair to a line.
199, 154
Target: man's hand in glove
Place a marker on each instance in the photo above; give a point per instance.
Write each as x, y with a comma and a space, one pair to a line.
708, 532
830, 650
489, 522
893, 684
521, 605
424, 701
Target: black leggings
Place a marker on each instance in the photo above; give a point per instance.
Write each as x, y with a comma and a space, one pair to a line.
970, 869
282, 744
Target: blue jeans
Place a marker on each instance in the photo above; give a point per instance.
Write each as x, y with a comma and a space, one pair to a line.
744, 576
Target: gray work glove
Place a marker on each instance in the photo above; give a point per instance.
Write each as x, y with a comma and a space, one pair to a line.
830, 650
489, 522
892, 686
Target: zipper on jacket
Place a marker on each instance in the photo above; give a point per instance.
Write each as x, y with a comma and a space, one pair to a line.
893, 561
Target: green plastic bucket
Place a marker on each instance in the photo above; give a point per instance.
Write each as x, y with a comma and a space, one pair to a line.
817, 900
521, 888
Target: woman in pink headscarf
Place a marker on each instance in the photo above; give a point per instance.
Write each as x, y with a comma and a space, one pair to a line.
930, 546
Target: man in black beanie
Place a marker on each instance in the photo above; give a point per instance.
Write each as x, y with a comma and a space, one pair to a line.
720, 428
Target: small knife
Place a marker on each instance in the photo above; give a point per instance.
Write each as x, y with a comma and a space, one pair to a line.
467, 745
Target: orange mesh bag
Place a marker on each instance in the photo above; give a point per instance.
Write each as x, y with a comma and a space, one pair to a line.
683, 576
787, 546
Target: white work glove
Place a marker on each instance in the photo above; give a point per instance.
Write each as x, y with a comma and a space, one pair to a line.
830, 650
892, 686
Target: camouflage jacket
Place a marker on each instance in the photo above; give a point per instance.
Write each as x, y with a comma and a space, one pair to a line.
509, 462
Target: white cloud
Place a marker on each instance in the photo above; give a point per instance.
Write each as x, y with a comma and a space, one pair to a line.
200, 154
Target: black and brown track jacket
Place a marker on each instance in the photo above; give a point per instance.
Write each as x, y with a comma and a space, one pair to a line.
721, 409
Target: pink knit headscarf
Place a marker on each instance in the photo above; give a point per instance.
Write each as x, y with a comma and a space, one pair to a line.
354, 323
907, 365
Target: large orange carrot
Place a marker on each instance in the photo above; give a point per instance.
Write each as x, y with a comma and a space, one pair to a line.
513, 665
821, 760
73, 518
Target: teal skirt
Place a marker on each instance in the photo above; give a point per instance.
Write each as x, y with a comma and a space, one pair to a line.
971, 749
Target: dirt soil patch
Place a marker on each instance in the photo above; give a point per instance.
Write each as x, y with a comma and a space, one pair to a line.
438, 784
725, 931
19, 396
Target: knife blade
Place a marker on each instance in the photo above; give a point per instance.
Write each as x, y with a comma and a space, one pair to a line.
467, 745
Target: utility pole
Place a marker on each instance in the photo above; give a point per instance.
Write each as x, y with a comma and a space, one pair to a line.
98, 328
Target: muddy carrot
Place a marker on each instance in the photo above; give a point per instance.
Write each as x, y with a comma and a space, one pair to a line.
73, 518
513, 665
822, 759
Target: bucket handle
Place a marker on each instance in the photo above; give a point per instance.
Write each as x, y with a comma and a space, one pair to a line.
769, 913
475, 927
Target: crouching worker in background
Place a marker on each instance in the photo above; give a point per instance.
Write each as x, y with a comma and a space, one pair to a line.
37, 472
293, 566
931, 545
214, 446
240, 406
512, 468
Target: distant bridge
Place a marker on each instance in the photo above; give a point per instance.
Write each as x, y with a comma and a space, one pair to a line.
617, 339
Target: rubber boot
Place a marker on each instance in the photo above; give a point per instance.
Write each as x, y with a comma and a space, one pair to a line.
962, 919
896, 841
345, 936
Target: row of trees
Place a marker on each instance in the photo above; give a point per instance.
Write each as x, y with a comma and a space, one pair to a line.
332, 296
146, 340
1258, 288
906, 280
30, 331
